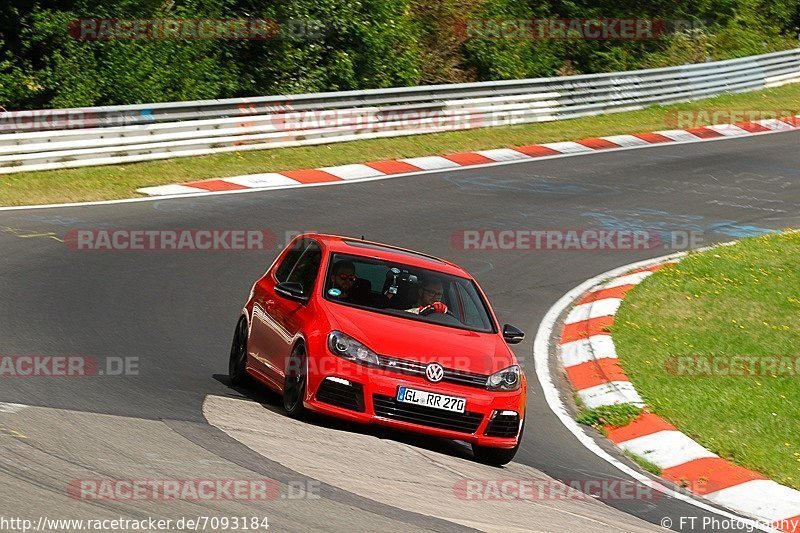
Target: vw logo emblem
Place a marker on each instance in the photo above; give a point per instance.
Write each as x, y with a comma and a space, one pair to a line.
434, 372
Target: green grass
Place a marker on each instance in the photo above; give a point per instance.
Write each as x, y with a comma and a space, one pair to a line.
740, 300
609, 415
121, 181
643, 463
601, 418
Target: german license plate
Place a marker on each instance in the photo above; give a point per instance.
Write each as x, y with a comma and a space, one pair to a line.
431, 399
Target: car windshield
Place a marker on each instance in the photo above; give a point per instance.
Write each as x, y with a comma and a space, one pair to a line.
407, 292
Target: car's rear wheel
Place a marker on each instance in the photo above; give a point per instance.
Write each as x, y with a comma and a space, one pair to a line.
497, 456
294, 387
238, 360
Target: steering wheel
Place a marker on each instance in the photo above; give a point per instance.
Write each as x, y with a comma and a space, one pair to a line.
426, 311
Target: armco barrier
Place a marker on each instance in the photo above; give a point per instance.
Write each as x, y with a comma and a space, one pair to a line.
43, 140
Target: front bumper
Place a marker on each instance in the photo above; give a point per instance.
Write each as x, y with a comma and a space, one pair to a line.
367, 395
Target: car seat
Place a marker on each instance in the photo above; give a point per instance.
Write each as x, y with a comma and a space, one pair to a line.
407, 294
361, 291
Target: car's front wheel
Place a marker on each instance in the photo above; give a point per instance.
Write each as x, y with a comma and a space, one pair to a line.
238, 359
294, 387
497, 456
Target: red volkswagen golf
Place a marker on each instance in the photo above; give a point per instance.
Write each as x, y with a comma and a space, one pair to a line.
377, 334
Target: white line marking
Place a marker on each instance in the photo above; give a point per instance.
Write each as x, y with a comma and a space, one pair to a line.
349, 172
503, 154
612, 393
678, 135
431, 162
568, 147
760, 497
630, 279
596, 309
268, 179
729, 130
11, 407
775, 124
585, 350
626, 140
666, 448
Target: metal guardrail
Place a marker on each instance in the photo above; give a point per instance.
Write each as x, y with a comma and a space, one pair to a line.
51, 139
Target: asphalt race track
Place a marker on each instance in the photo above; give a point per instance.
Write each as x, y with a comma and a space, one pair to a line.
176, 311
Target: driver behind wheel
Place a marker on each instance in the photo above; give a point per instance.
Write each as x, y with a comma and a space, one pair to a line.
429, 298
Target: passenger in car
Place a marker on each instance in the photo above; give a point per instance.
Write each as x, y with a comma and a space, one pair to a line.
343, 277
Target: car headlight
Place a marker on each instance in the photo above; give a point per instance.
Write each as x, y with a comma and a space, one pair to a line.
347, 347
506, 379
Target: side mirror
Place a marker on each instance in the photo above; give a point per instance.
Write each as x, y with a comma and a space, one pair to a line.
512, 335
291, 290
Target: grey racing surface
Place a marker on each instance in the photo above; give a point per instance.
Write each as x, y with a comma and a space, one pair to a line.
176, 310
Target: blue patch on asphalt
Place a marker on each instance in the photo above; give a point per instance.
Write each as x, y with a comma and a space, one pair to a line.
547, 185
739, 230
675, 222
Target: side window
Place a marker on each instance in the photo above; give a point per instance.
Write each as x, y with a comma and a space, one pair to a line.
290, 260
307, 267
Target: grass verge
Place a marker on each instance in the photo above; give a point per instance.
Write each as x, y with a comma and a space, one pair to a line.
646, 465
713, 346
600, 418
609, 415
121, 181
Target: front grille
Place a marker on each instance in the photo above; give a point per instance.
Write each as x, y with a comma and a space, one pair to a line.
415, 368
341, 395
389, 407
503, 425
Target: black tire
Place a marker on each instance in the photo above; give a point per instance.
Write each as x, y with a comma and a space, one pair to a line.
294, 386
497, 456
238, 359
